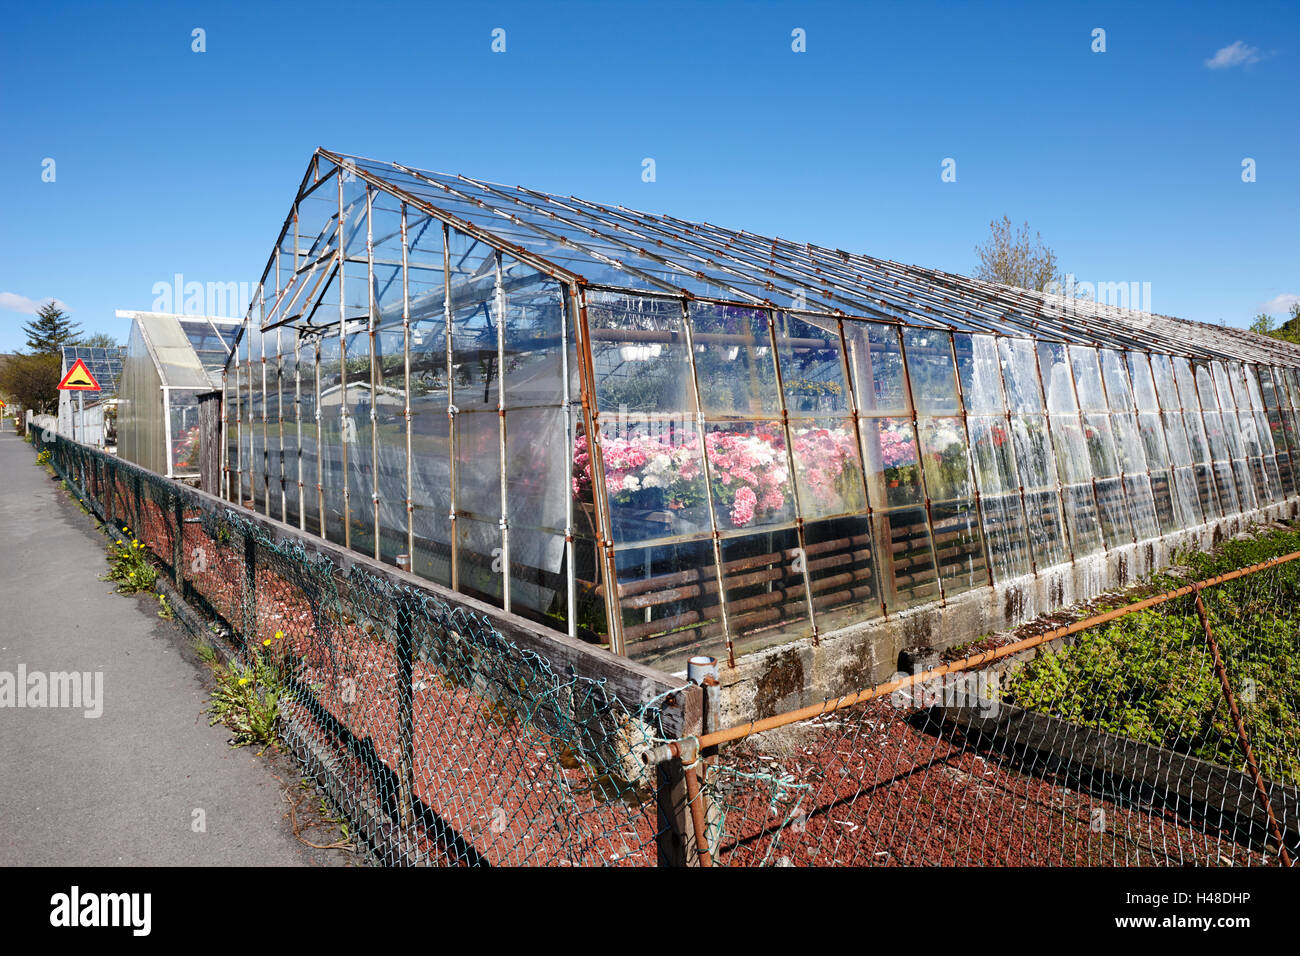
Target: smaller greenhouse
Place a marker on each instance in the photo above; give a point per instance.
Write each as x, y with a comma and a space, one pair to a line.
88, 417
171, 361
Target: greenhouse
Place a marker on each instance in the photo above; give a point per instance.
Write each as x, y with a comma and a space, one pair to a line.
90, 418
792, 440
171, 361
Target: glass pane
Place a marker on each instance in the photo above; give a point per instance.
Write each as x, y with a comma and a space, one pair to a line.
1128, 444
1035, 461
1140, 376
1115, 526
1141, 506
1101, 445
669, 599
841, 560
1046, 527
991, 452
1081, 512
749, 473
1020, 374
639, 354
909, 575
930, 365
1057, 380
943, 447
1188, 496
978, 370
812, 368
893, 466
654, 474
1004, 527
1115, 376
827, 468
959, 546
765, 586
734, 361
1087, 379
877, 362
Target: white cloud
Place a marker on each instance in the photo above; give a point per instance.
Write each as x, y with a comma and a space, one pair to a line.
1237, 53
13, 302
1280, 304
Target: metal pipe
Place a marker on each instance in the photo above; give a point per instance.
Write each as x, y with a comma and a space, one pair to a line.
343, 377
297, 417
406, 390
708, 483
374, 369
499, 298
790, 466
974, 477
571, 583
847, 364
920, 466
451, 405
830, 705
596, 459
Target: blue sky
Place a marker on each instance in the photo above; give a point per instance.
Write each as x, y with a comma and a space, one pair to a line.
1129, 161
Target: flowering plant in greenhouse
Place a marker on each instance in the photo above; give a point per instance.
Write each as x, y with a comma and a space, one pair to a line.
897, 453
187, 451
749, 472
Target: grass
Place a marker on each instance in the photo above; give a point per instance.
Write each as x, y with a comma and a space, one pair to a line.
1149, 676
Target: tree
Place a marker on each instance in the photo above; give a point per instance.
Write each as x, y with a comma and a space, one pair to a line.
1288, 331
100, 340
50, 330
32, 381
1013, 258
1264, 324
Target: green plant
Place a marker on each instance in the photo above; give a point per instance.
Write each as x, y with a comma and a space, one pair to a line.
247, 700
43, 457
128, 565
164, 607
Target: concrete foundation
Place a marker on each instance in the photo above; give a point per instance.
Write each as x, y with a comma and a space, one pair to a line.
802, 672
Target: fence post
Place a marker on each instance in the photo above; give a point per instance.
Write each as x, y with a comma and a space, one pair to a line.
1242, 737
405, 638
210, 442
250, 588
178, 544
675, 841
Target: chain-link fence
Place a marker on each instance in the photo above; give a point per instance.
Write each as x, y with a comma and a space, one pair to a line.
442, 736
1165, 730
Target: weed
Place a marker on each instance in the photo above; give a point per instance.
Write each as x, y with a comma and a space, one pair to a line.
128, 565
247, 700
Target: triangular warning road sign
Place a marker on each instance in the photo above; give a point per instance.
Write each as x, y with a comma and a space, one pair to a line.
79, 379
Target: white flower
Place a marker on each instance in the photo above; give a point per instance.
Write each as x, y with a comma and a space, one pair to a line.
631, 483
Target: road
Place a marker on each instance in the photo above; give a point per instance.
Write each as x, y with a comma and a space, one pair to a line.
147, 782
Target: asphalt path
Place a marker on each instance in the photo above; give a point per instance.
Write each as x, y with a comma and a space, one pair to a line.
147, 781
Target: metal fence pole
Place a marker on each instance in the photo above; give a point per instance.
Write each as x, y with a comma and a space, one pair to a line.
1242, 737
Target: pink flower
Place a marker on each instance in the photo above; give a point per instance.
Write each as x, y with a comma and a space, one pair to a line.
742, 509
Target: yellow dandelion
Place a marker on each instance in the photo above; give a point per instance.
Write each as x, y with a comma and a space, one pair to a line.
267, 642
132, 574
279, 636
243, 681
